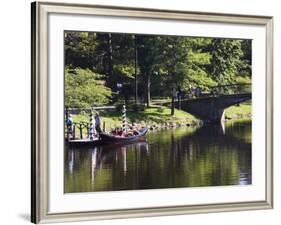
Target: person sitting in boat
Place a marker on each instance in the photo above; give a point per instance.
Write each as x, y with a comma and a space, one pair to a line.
132, 132
114, 131
129, 134
97, 123
117, 132
136, 132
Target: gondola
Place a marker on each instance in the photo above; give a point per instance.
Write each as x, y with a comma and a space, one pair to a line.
115, 139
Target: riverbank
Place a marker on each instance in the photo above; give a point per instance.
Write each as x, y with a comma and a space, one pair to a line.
157, 117
154, 116
243, 110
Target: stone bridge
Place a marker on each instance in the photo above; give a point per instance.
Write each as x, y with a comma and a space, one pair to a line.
210, 108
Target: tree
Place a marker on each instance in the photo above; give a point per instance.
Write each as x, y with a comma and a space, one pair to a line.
146, 60
160, 62
226, 60
81, 50
246, 59
181, 62
85, 88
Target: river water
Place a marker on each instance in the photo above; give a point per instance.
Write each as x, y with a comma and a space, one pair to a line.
211, 155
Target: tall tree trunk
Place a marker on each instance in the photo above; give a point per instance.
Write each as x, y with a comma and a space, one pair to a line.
179, 102
109, 59
136, 70
148, 90
173, 102
173, 106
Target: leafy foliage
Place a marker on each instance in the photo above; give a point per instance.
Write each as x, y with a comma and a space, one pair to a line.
160, 63
84, 88
226, 60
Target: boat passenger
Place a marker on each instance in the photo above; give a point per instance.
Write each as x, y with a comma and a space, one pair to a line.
114, 131
136, 132
120, 132
129, 134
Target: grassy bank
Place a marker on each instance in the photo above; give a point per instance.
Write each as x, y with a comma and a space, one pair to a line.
243, 110
162, 115
150, 116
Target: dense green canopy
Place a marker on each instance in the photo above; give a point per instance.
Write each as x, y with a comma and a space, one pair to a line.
83, 88
97, 63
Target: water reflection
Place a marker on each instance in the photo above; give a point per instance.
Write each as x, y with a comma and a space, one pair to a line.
93, 164
70, 161
182, 157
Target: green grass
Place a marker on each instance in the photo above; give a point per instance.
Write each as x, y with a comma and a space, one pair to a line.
152, 115
160, 115
239, 111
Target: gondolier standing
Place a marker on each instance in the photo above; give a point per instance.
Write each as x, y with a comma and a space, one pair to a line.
97, 123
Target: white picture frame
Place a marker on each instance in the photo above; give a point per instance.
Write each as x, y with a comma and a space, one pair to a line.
49, 204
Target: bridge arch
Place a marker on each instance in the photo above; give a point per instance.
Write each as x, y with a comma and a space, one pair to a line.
210, 106
211, 109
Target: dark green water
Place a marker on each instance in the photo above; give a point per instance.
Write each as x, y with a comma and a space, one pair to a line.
182, 157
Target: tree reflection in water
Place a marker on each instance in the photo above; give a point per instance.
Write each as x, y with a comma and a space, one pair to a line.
183, 157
